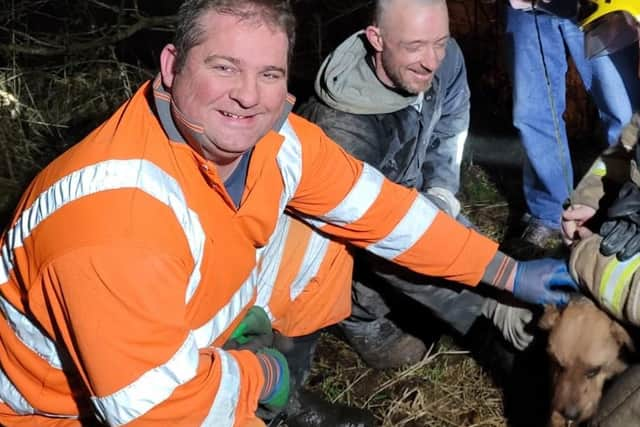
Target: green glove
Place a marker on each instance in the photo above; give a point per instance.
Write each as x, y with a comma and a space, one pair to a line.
277, 379
253, 333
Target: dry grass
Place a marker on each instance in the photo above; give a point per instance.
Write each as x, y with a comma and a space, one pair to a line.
447, 388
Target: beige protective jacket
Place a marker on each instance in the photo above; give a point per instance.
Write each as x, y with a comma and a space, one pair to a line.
614, 284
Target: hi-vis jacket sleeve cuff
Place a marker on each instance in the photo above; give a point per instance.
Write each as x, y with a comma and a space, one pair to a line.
501, 272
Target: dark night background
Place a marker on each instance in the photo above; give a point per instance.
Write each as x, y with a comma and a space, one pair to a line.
65, 65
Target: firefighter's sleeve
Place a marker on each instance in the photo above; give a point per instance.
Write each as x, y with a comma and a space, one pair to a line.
123, 320
609, 170
613, 283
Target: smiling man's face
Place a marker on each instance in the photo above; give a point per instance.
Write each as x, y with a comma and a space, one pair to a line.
233, 84
414, 40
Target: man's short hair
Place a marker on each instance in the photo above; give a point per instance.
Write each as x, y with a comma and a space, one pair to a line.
383, 5
189, 31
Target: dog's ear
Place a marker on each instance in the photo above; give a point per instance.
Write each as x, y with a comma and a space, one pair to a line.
622, 336
549, 318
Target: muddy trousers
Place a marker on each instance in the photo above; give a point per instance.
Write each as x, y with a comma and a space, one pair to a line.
299, 352
304, 286
380, 287
375, 298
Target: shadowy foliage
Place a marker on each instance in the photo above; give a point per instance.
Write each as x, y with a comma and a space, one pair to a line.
67, 65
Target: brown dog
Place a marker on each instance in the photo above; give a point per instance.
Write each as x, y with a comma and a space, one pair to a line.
584, 347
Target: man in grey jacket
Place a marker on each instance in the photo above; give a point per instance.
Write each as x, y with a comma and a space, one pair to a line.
396, 96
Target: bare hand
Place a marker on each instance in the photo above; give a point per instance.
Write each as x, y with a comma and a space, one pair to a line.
573, 220
524, 4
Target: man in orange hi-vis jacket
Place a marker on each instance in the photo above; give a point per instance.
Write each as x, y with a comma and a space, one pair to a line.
134, 256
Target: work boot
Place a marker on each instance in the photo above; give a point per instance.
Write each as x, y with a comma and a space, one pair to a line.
541, 235
382, 345
307, 409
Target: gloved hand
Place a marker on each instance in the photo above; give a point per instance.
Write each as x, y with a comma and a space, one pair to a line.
277, 379
444, 199
253, 333
511, 321
543, 281
621, 233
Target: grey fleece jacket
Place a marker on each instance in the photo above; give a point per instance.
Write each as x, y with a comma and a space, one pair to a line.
416, 147
416, 141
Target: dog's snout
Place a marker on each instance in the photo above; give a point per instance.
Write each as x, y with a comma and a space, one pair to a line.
571, 413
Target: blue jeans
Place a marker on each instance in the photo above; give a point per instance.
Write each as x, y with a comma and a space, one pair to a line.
612, 81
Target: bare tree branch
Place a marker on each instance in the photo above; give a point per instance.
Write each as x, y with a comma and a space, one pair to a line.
122, 34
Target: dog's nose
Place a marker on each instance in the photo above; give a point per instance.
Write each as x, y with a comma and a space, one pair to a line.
571, 413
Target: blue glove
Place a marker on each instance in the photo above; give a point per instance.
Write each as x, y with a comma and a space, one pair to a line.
543, 281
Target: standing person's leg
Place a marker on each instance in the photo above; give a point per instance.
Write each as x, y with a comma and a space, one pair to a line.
547, 171
612, 81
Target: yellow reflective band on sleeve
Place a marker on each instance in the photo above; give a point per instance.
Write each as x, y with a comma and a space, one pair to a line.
615, 279
599, 168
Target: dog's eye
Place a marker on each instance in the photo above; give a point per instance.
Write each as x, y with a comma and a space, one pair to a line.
593, 372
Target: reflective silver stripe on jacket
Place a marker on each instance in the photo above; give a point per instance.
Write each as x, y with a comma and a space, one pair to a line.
408, 231
289, 160
103, 176
460, 140
270, 260
206, 334
361, 197
18, 403
223, 410
313, 257
152, 388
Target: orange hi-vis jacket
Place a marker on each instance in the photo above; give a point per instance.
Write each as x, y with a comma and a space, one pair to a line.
127, 265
